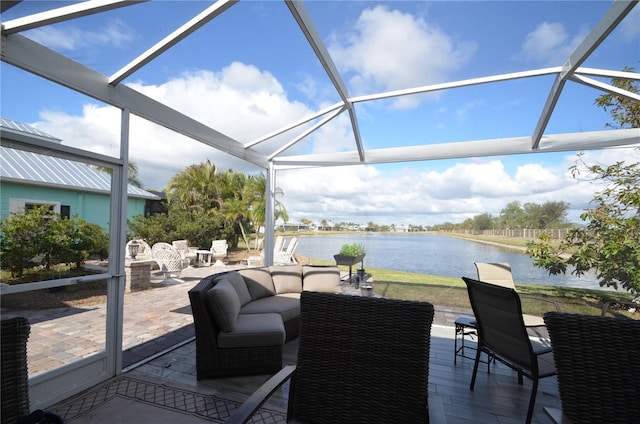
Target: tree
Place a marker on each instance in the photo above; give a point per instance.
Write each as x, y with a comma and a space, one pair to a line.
197, 187
554, 214
256, 197
512, 216
236, 210
609, 241
624, 111
483, 222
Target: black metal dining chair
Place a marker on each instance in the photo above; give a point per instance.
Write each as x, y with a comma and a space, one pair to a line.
503, 335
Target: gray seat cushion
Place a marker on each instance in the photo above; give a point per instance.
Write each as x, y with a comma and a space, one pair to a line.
254, 330
288, 307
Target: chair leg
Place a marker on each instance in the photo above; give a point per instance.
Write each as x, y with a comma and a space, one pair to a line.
475, 367
532, 400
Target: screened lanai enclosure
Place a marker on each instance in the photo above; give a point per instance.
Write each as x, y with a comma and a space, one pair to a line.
316, 84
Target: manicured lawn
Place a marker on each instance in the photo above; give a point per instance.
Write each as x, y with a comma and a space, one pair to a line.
452, 292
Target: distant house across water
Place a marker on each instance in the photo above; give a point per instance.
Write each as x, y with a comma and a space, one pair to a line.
29, 179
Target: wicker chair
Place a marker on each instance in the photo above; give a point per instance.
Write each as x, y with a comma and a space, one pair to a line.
500, 274
598, 363
188, 253
15, 377
360, 360
169, 260
503, 335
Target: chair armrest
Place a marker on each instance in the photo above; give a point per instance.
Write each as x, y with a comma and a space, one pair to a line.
244, 413
542, 299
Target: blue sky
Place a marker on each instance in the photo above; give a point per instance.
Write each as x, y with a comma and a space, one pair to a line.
250, 71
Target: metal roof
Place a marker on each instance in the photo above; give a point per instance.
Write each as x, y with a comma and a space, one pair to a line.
11, 125
22, 166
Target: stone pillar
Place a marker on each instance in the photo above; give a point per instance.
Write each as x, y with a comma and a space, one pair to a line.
137, 275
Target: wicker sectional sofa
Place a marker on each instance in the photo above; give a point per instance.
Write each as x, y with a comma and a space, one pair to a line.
243, 318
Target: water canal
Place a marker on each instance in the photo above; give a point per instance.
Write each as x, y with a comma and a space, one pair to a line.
436, 255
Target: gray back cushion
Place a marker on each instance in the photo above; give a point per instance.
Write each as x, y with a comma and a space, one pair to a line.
224, 304
238, 283
259, 282
287, 278
321, 278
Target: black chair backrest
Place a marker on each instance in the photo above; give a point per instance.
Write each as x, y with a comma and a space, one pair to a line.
362, 360
598, 365
15, 379
499, 321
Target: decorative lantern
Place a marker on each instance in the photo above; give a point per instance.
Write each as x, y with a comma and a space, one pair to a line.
134, 247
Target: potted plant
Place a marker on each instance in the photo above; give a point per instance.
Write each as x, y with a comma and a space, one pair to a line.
351, 254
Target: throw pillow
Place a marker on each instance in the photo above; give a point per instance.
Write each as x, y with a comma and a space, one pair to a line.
239, 285
224, 304
259, 282
287, 278
321, 278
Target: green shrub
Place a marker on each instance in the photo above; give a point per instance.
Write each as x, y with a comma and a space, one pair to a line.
40, 237
353, 249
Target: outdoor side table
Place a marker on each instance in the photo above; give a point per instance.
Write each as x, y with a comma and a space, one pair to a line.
203, 257
465, 326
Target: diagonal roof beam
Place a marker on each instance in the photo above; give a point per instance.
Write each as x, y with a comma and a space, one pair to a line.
62, 14
172, 39
299, 12
26, 54
457, 84
611, 19
295, 124
606, 87
306, 133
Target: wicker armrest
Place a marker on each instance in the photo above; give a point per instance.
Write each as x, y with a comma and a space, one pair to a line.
244, 413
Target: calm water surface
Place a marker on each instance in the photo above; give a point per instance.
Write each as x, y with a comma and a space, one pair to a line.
436, 255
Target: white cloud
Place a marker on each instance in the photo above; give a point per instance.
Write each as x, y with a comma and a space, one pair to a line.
389, 50
115, 33
364, 193
549, 44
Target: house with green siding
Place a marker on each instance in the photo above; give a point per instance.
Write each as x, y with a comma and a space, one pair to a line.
29, 179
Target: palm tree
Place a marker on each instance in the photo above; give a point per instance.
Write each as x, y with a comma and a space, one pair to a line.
256, 197
236, 211
197, 187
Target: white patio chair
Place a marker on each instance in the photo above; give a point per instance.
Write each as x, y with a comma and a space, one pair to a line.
286, 257
219, 251
278, 244
169, 260
187, 253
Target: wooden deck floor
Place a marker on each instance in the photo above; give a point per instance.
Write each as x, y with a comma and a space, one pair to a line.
497, 398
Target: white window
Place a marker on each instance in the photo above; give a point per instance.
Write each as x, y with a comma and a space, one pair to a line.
20, 205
